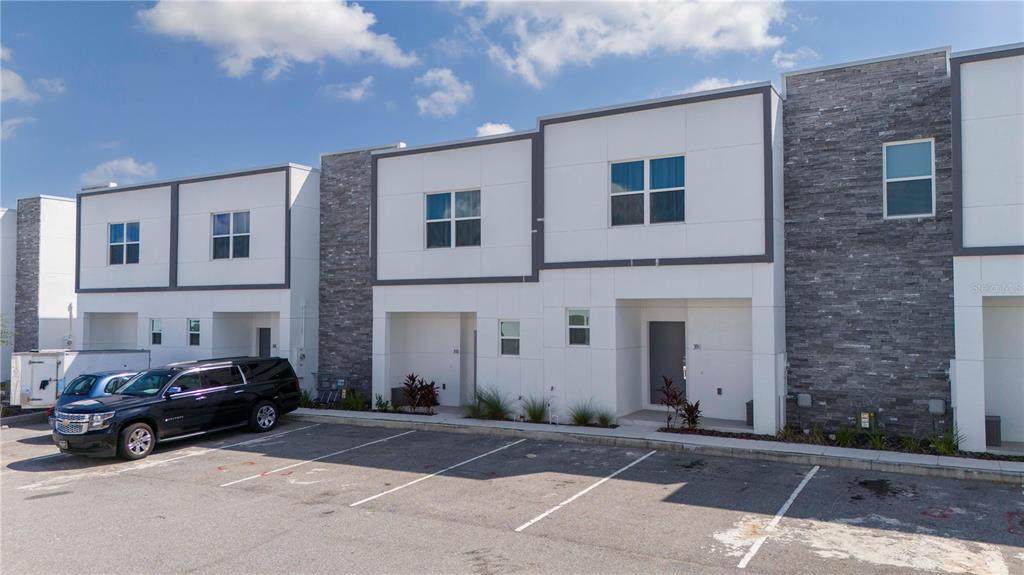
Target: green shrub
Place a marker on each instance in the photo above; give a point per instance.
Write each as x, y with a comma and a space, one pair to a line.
354, 401
912, 444
582, 413
816, 435
490, 404
947, 443
536, 409
605, 418
305, 400
382, 404
846, 436
876, 440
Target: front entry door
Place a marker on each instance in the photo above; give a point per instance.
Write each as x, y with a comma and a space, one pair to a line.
264, 342
667, 344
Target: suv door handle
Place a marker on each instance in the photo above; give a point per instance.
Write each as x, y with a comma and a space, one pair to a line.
200, 398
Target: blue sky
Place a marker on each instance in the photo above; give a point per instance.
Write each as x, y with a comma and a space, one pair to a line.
132, 92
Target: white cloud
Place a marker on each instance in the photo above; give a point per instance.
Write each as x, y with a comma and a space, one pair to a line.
714, 83
9, 126
51, 85
546, 36
5, 54
789, 60
492, 129
353, 92
450, 93
13, 87
121, 170
280, 33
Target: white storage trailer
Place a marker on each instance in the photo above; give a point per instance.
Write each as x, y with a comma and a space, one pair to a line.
38, 377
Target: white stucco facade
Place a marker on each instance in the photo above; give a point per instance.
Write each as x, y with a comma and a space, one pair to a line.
57, 301
989, 270
263, 302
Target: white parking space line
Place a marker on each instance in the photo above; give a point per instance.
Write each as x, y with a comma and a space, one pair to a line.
436, 473
775, 520
265, 473
581, 493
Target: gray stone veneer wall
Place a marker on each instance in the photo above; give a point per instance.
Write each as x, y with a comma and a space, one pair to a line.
346, 291
26, 276
869, 302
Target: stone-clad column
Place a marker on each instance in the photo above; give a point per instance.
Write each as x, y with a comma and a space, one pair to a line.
26, 276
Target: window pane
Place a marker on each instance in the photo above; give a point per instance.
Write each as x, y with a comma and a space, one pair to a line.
439, 206
908, 160
133, 231
667, 173
467, 233
117, 254
132, 256
667, 206
221, 376
157, 338
241, 222
193, 325
510, 329
911, 197
579, 336
116, 233
221, 224
156, 325
510, 347
193, 339
627, 209
467, 204
579, 317
221, 247
439, 234
628, 177
189, 382
241, 246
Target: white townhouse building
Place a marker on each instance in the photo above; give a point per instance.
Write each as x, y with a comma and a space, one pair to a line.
988, 243
587, 259
211, 266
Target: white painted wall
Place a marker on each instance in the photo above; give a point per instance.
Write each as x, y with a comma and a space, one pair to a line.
111, 330
304, 295
151, 207
1004, 363
722, 141
502, 174
8, 255
992, 116
263, 195
56, 270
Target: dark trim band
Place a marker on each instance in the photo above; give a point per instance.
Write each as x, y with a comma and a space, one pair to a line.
958, 163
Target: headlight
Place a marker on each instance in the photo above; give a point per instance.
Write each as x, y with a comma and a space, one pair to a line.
101, 420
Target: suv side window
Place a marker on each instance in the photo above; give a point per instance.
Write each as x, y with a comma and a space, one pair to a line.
189, 382
270, 370
222, 376
114, 383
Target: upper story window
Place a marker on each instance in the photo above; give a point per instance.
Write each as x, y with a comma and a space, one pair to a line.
909, 172
193, 332
509, 337
459, 226
648, 191
579, 327
230, 235
156, 331
124, 243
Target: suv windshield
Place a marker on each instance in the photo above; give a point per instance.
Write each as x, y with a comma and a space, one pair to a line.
81, 385
146, 383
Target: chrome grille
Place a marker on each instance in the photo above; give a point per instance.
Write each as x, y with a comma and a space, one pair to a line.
71, 423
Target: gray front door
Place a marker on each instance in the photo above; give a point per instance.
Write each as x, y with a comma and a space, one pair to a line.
667, 345
264, 342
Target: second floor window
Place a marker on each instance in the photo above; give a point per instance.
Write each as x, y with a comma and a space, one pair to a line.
648, 191
230, 235
453, 219
193, 332
124, 243
156, 331
909, 179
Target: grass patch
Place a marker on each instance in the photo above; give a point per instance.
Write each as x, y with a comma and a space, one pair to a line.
582, 413
535, 409
490, 404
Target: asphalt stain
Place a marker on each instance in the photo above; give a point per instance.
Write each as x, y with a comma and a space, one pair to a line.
882, 488
1015, 522
46, 495
695, 465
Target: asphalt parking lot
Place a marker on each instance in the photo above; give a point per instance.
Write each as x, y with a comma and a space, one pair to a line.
312, 497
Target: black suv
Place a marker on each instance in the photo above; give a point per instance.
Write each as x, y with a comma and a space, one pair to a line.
176, 401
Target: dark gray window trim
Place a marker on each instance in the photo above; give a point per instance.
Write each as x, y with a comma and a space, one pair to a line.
172, 280
958, 199
537, 193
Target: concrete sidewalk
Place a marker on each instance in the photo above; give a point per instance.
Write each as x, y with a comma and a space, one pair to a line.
647, 437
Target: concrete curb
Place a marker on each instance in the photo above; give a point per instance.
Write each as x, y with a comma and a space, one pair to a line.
958, 468
33, 417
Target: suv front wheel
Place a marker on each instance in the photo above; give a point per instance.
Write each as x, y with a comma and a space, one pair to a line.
264, 416
136, 442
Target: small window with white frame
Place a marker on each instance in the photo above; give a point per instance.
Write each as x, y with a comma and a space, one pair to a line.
909, 179
453, 219
579, 327
124, 243
156, 331
230, 235
509, 337
193, 332
649, 191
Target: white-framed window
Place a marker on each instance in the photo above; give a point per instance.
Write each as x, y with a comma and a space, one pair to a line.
509, 336
648, 191
123, 239
156, 331
453, 219
193, 332
230, 235
908, 172
579, 326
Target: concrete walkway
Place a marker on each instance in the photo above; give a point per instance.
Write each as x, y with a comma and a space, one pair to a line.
645, 436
